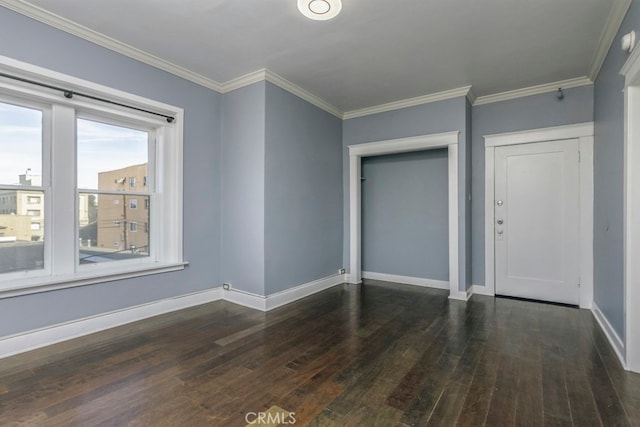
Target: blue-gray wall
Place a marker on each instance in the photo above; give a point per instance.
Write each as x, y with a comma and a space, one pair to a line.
405, 216
532, 112
303, 192
243, 178
27, 40
608, 179
443, 116
468, 140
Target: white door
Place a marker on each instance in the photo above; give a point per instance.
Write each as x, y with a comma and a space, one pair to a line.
537, 228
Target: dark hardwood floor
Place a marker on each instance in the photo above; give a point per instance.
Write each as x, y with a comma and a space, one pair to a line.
376, 355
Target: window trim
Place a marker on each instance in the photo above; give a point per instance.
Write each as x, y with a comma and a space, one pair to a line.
61, 269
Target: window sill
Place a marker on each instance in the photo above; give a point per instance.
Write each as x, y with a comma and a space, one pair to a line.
34, 285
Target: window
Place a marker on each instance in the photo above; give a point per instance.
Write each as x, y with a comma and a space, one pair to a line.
21, 145
106, 152
100, 151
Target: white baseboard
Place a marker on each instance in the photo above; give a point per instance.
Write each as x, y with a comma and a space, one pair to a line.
416, 281
614, 339
32, 340
246, 299
347, 279
461, 295
279, 299
483, 290
290, 295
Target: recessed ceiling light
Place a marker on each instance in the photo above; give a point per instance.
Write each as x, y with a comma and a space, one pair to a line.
320, 10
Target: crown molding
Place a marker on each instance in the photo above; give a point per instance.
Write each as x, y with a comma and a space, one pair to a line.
411, 102
614, 21
285, 84
245, 80
271, 77
100, 39
533, 90
471, 96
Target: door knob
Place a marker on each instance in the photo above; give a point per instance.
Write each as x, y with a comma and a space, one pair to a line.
500, 222
499, 202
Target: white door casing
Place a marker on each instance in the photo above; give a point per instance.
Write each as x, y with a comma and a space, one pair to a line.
537, 221
447, 140
584, 135
631, 235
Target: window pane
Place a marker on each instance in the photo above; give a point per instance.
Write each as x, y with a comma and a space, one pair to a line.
111, 158
110, 229
20, 145
21, 230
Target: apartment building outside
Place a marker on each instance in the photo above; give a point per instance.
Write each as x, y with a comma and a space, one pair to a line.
23, 210
123, 219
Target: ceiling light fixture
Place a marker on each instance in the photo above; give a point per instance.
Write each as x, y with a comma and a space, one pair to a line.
320, 10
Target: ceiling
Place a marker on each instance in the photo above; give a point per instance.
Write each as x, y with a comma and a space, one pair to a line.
374, 52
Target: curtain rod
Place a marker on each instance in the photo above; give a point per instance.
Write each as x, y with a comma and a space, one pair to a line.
70, 94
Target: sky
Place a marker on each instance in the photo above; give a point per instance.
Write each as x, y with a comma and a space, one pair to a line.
101, 147
20, 142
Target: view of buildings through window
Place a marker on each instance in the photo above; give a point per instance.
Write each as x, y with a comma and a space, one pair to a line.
112, 183
22, 219
113, 170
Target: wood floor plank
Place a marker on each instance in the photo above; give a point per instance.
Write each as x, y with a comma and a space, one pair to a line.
377, 354
424, 400
529, 407
449, 404
326, 418
627, 385
476, 404
554, 391
412, 382
577, 367
609, 405
502, 409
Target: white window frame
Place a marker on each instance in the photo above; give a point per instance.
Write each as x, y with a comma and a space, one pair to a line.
62, 269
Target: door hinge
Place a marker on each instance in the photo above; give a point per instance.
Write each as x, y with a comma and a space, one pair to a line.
579, 157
